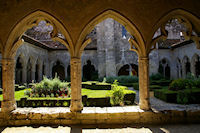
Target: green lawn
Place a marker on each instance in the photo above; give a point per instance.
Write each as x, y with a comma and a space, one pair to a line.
88, 92
18, 95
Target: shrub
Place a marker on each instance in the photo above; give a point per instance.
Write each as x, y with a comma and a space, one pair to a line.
197, 83
181, 84
136, 86
152, 87
157, 76
122, 79
27, 93
51, 87
117, 94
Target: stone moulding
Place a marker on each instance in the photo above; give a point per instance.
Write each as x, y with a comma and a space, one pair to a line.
98, 117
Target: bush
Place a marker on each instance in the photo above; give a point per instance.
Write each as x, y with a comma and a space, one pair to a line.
122, 79
50, 87
154, 87
136, 86
117, 94
181, 84
157, 76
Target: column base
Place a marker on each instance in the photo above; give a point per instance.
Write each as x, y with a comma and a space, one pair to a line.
145, 105
8, 106
76, 106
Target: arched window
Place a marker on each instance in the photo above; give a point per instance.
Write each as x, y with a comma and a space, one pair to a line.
18, 71
128, 69
29, 74
88, 71
197, 66
58, 70
37, 72
124, 32
164, 68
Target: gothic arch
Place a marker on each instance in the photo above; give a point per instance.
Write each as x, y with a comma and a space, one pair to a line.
138, 41
178, 67
22, 57
165, 67
192, 23
14, 40
59, 69
186, 63
195, 65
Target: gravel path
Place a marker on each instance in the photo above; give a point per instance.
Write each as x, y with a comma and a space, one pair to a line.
159, 105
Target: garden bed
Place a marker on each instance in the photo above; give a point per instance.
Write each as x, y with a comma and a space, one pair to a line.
187, 96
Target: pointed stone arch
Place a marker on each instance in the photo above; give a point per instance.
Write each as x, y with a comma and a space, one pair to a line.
137, 41
191, 22
195, 65
14, 40
186, 63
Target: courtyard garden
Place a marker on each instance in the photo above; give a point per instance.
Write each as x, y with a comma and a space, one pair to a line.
55, 93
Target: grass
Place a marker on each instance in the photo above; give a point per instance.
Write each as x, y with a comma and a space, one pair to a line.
18, 95
88, 92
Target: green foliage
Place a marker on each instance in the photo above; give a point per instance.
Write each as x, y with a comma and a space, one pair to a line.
157, 76
181, 84
122, 79
117, 94
152, 87
183, 97
104, 80
50, 87
136, 86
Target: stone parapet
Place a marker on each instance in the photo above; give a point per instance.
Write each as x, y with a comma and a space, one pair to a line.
99, 116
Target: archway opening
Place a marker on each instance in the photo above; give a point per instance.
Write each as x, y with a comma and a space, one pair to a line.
18, 71
164, 68
29, 71
59, 71
128, 69
88, 71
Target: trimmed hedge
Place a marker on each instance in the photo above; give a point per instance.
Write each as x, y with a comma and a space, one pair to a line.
160, 82
19, 87
94, 86
24, 102
122, 79
98, 102
189, 96
129, 99
151, 87
136, 86
155, 87
165, 96
126, 84
88, 102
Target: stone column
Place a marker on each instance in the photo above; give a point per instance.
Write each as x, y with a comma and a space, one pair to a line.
40, 76
8, 68
33, 73
76, 98
24, 74
144, 83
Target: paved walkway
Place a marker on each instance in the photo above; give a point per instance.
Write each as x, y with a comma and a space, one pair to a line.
152, 129
159, 105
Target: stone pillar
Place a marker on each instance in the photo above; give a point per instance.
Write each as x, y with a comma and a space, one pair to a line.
144, 83
24, 74
33, 73
66, 71
40, 76
76, 98
8, 69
